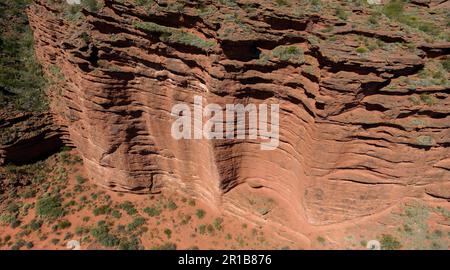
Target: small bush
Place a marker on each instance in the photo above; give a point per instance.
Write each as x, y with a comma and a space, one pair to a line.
289, 54
210, 229
91, 5
6, 219
116, 214
80, 179
321, 240
341, 13
389, 242
394, 9
152, 211
168, 233
64, 224
13, 208
35, 224
132, 244
191, 202
362, 50
102, 210
15, 223
19, 244
200, 213
218, 224
144, 2
128, 207
136, 223
102, 235
282, 2
316, 4
174, 35
427, 99
29, 194
425, 140
166, 246
446, 64
186, 219
172, 205
202, 229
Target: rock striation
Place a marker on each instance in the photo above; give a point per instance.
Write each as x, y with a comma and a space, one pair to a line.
364, 103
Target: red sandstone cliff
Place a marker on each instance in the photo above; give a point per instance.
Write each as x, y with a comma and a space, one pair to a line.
360, 130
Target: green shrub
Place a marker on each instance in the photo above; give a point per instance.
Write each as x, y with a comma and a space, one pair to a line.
35, 224
132, 244
210, 229
185, 220
316, 5
289, 53
128, 207
166, 246
29, 194
218, 224
362, 50
91, 5
282, 2
186, 38
191, 202
136, 223
144, 2
29, 245
341, 13
6, 219
168, 233
64, 224
80, 230
425, 140
389, 242
102, 210
321, 240
174, 35
152, 211
15, 222
202, 229
80, 179
394, 9
102, 235
446, 64
19, 244
116, 214
49, 207
427, 99
12, 208
200, 213
171, 205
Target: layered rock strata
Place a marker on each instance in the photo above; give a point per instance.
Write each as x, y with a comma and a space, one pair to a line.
363, 124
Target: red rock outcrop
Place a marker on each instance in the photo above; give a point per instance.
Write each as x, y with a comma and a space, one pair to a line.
360, 128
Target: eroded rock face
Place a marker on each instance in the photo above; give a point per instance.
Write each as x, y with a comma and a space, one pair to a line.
360, 129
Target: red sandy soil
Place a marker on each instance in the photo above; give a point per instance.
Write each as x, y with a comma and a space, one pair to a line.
182, 222
414, 224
